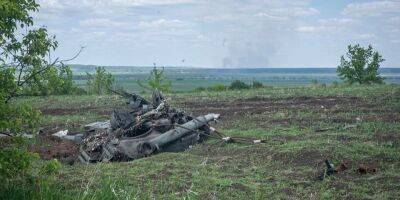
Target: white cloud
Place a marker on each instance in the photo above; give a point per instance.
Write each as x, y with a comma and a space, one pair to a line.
282, 14
51, 4
147, 2
295, 11
336, 22
271, 17
331, 25
161, 24
63, 4
374, 8
307, 29
101, 23
366, 36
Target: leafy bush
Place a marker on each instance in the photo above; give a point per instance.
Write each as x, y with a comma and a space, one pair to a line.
56, 81
200, 89
100, 82
361, 65
314, 82
235, 85
156, 80
15, 161
23, 175
217, 87
335, 84
257, 84
239, 85
17, 118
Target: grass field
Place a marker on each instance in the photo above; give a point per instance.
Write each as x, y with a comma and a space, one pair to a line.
302, 127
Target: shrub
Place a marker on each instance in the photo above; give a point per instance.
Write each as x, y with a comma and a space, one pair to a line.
100, 82
257, 84
15, 161
217, 87
156, 80
23, 174
15, 118
56, 81
314, 82
239, 85
361, 65
200, 89
335, 84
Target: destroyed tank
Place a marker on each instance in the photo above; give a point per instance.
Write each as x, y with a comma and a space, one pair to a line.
142, 129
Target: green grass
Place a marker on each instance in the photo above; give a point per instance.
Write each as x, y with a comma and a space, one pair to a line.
284, 167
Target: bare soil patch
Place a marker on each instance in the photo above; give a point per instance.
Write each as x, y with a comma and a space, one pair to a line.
259, 110
49, 147
72, 111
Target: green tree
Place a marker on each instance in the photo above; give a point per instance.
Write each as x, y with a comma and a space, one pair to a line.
100, 82
25, 60
23, 53
361, 65
55, 81
156, 80
22, 58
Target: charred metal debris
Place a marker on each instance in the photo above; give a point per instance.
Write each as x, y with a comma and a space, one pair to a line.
144, 128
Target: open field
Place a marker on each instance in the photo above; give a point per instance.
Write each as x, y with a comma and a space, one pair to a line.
302, 127
186, 79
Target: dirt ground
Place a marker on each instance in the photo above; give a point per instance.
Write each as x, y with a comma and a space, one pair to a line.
354, 127
261, 111
257, 110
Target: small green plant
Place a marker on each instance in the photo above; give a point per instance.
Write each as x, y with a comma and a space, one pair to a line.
217, 87
239, 85
335, 84
200, 89
361, 65
314, 82
257, 84
50, 167
100, 82
156, 80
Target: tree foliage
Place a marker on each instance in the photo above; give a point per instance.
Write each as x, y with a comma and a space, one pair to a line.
54, 81
25, 65
156, 80
361, 65
100, 82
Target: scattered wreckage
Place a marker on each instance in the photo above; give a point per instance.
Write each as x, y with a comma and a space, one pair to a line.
142, 129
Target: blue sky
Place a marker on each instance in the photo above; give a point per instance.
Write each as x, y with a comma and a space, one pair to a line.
221, 33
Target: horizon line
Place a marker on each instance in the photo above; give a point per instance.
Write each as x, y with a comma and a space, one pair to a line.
221, 67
